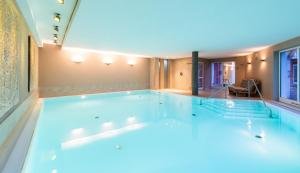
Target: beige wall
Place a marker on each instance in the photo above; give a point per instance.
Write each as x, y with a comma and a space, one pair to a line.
154, 73
184, 81
184, 65
161, 74
264, 70
61, 76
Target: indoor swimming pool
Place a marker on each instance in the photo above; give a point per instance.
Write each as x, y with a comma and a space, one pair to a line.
159, 132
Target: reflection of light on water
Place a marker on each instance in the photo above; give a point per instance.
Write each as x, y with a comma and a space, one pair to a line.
262, 134
77, 132
53, 157
99, 136
131, 120
83, 97
230, 103
54, 171
107, 125
249, 124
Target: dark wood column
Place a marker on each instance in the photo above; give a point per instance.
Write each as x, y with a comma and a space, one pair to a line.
195, 61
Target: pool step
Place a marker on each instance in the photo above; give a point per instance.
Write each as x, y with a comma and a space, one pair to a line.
235, 109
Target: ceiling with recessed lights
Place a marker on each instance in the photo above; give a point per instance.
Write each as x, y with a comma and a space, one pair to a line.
172, 28
43, 13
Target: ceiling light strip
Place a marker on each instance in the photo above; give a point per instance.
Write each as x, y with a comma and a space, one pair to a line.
76, 6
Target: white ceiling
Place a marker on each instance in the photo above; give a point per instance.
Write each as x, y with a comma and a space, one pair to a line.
175, 28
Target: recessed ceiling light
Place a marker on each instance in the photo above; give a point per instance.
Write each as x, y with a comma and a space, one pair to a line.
61, 1
55, 37
57, 17
55, 28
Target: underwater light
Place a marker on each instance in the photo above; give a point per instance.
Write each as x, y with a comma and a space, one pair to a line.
53, 157
107, 134
261, 135
78, 131
249, 123
131, 119
118, 147
107, 124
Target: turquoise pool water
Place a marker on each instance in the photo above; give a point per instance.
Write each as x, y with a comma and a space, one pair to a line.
155, 132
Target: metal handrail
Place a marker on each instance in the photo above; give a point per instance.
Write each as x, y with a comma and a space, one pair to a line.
226, 87
261, 97
214, 93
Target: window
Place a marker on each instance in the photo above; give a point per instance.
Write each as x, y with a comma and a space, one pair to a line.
294, 67
200, 76
289, 76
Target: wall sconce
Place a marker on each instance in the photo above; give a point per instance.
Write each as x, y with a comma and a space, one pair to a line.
57, 17
107, 61
131, 62
249, 63
77, 59
263, 60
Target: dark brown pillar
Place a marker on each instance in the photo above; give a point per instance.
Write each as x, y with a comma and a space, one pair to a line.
195, 61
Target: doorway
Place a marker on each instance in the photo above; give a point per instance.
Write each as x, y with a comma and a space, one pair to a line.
222, 73
201, 76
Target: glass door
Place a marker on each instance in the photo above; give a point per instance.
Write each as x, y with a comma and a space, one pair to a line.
217, 74
200, 76
289, 76
223, 73
229, 73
